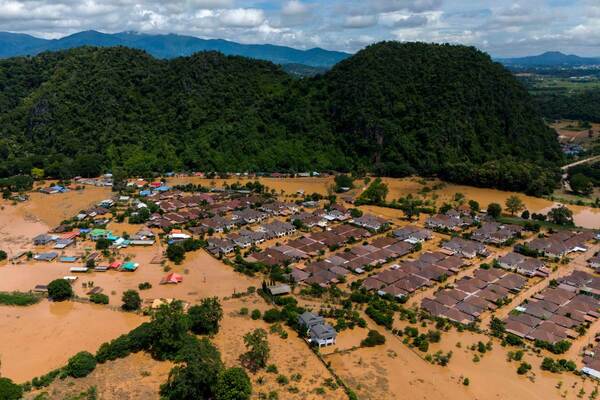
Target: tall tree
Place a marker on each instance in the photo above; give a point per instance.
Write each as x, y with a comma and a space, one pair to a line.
205, 317
514, 204
258, 349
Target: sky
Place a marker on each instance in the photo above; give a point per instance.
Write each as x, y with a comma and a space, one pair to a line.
502, 28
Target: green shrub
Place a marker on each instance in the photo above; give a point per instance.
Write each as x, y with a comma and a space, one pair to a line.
373, 339
99, 298
10, 390
145, 286
255, 314
282, 380
233, 384
272, 369
59, 290
523, 368
138, 339
81, 365
19, 298
131, 300
272, 315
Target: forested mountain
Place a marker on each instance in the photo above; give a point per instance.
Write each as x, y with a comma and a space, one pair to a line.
550, 59
167, 46
393, 109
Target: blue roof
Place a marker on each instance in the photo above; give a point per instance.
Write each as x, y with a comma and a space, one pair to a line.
145, 193
163, 189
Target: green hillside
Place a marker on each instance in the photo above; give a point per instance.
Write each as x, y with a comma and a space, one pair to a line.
393, 109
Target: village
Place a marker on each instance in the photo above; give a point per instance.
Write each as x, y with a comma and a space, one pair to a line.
456, 275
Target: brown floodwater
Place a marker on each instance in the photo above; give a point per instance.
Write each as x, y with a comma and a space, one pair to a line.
586, 217
37, 339
203, 276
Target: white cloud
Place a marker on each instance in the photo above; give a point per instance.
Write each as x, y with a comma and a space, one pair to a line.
502, 27
242, 17
360, 21
295, 7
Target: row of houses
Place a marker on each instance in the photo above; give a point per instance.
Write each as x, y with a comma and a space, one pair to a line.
246, 238
553, 314
523, 265
452, 220
562, 243
413, 234
409, 276
310, 245
371, 222
353, 260
472, 296
496, 233
465, 248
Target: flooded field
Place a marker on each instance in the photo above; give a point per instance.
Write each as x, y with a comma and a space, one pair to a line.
291, 355
37, 339
203, 276
584, 216
386, 371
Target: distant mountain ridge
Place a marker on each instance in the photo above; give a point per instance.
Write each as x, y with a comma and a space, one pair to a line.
550, 59
167, 46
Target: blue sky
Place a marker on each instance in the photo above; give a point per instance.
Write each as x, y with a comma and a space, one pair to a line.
500, 27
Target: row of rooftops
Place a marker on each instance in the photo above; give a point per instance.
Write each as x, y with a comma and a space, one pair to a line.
552, 314
561, 243
452, 220
353, 260
309, 245
524, 265
496, 233
410, 275
471, 296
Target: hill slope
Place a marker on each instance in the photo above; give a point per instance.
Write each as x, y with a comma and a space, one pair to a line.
393, 108
167, 46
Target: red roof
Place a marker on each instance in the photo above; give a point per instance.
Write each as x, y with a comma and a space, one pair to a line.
116, 265
172, 278
70, 235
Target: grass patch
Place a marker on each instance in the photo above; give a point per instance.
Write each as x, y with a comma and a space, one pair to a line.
20, 299
543, 224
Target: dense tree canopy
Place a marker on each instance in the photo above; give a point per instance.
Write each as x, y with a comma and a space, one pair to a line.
59, 290
393, 109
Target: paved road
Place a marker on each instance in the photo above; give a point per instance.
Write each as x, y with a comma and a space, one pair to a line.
585, 160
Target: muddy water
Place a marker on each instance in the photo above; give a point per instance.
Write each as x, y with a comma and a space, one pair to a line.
393, 371
288, 185
39, 338
52, 209
203, 276
584, 216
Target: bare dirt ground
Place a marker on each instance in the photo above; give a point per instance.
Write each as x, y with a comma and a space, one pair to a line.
135, 377
291, 355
